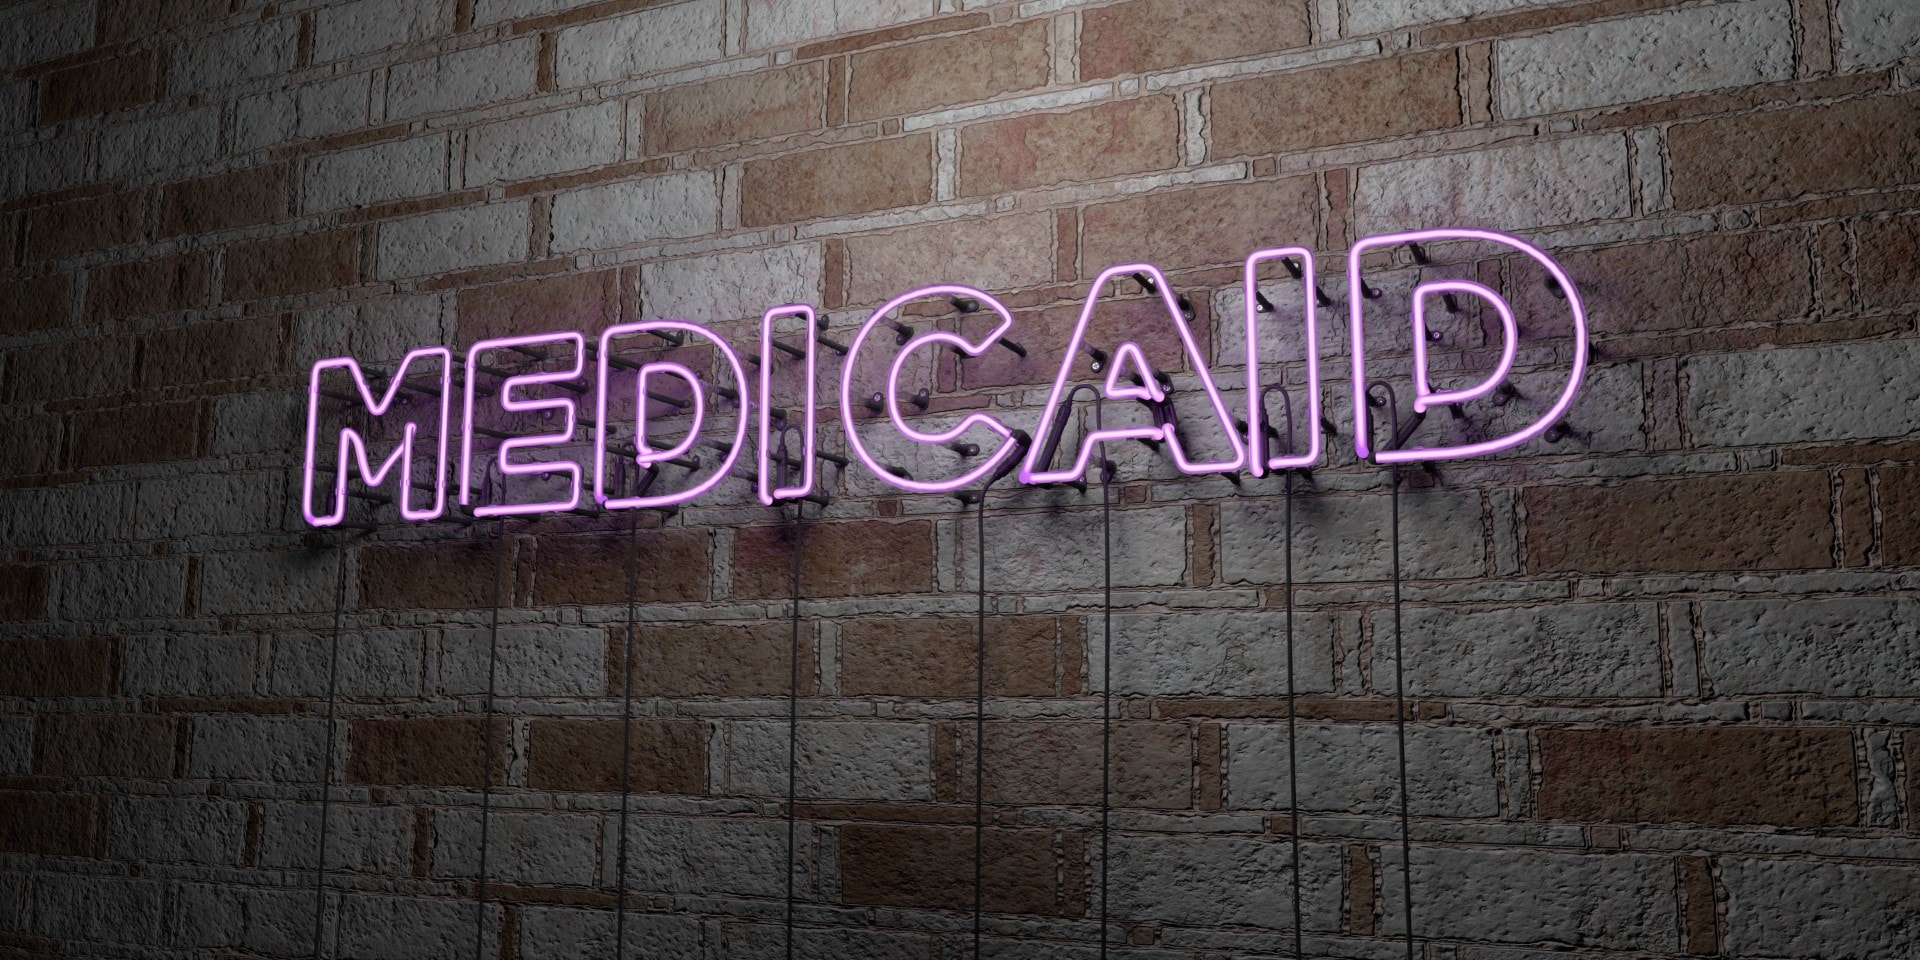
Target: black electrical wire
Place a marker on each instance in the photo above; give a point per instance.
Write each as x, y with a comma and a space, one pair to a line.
793, 710
1392, 402
1293, 737
1106, 668
626, 738
979, 717
326, 775
486, 766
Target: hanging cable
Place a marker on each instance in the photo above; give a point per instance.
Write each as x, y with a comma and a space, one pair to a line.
326, 775
793, 707
626, 737
979, 717
486, 765
1293, 736
1106, 666
1398, 434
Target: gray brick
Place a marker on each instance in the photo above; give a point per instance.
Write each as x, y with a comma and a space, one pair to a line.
731, 286
77, 513
160, 143
44, 165
1211, 881
779, 24
839, 760
17, 107
1341, 538
364, 839
521, 847
1063, 550
637, 211
532, 662
1567, 650
367, 25
104, 909
280, 749
392, 928
1820, 910
1241, 654
493, 11
765, 941
1873, 32
207, 504
122, 589
648, 41
464, 78
258, 422
16, 745
184, 830
1847, 647
1518, 187
451, 240
561, 933
1615, 902
1355, 768
14, 890
709, 856
285, 582
244, 53
276, 923
1672, 52
548, 143
53, 30
161, 666
317, 109
376, 332
1375, 16
382, 663
395, 170
1849, 391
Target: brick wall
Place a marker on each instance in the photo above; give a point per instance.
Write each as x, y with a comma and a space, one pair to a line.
1666, 691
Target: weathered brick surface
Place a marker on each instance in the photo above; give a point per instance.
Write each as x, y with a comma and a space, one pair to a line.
1783, 154
1779, 522
1198, 226
1028, 871
709, 660
729, 110
430, 751
1026, 656
843, 559
1365, 101
302, 263
1094, 143
837, 181
660, 756
1148, 35
1789, 778
968, 67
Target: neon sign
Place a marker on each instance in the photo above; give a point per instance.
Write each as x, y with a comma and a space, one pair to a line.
667, 388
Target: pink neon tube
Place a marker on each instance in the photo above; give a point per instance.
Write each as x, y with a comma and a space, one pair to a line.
1031, 470
644, 454
564, 434
353, 447
1309, 422
769, 494
859, 449
1362, 439
691, 330
1424, 396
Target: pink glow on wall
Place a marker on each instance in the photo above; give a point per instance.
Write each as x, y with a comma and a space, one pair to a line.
1130, 376
808, 426
1424, 396
562, 434
353, 447
1032, 471
1362, 439
891, 395
689, 331
1257, 458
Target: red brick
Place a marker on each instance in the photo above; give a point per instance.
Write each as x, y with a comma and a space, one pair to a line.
1856, 518
426, 751
736, 109
451, 575
588, 302
883, 657
1900, 515
1748, 523
122, 20
593, 569
70, 368
224, 201
58, 666
1200, 226
86, 225
1362, 890
1051, 763
860, 558
1143, 320
1889, 263
1689, 283
996, 253
836, 181
283, 266
932, 866
210, 352
23, 594
580, 755
968, 67
1372, 100
35, 304
50, 824
104, 745
128, 435
1149, 35
710, 659
1106, 140
1714, 775
1783, 154
123, 290
1700, 922
102, 86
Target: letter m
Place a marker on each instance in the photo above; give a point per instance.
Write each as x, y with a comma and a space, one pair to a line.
360, 408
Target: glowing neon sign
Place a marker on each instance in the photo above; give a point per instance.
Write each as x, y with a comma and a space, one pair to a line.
541, 455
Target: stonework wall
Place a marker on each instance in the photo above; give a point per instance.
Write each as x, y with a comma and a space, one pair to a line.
1665, 671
